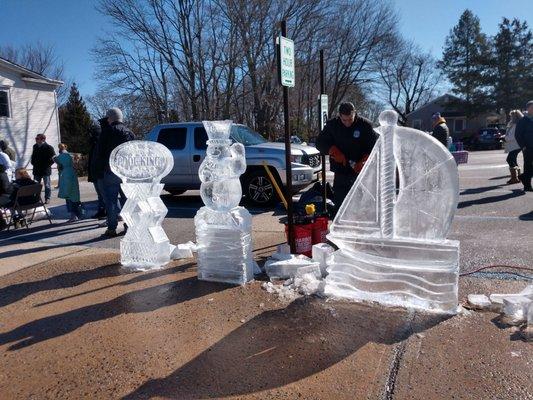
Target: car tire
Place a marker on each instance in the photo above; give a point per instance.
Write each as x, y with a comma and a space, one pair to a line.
258, 189
175, 192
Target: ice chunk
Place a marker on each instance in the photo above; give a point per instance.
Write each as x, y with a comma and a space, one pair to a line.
515, 309
479, 301
392, 241
183, 250
282, 269
141, 165
308, 283
284, 248
313, 269
320, 253
223, 229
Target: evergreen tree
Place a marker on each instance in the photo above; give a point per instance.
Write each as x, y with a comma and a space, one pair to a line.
465, 62
75, 122
512, 65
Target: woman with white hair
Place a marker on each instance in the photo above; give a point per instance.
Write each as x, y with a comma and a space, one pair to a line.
512, 147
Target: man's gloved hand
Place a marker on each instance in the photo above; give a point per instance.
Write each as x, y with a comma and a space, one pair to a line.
358, 166
337, 155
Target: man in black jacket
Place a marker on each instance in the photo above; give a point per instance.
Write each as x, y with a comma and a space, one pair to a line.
112, 135
348, 139
440, 129
42, 159
92, 176
524, 138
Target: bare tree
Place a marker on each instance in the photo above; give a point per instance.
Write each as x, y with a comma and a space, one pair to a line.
409, 78
41, 59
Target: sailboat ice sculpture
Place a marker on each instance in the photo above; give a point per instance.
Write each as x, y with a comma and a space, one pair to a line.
392, 241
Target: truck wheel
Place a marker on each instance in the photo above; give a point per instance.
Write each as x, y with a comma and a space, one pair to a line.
258, 189
175, 192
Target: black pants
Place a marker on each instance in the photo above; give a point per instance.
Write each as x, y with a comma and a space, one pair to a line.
342, 184
528, 168
511, 158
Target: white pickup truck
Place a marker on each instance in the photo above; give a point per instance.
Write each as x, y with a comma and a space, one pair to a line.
187, 142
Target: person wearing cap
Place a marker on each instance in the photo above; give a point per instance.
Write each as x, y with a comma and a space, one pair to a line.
440, 129
524, 138
349, 140
112, 135
42, 159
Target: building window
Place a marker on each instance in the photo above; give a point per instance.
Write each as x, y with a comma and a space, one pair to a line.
417, 124
4, 103
459, 125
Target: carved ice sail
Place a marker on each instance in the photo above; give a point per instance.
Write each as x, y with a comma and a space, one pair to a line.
392, 241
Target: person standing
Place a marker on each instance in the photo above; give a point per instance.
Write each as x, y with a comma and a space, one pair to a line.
69, 188
6, 162
5, 194
4, 146
92, 176
349, 140
524, 138
42, 159
512, 147
440, 129
112, 136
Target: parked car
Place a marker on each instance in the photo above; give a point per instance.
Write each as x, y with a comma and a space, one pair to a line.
488, 139
187, 142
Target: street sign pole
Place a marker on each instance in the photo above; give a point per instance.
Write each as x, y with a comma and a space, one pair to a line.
286, 75
322, 122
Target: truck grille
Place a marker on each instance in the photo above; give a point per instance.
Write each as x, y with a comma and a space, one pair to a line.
313, 161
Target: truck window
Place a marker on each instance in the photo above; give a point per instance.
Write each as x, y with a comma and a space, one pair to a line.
173, 138
200, 138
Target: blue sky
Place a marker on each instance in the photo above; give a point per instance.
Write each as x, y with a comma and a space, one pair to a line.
72, 26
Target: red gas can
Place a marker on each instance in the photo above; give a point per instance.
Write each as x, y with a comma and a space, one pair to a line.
320, 230
303, 238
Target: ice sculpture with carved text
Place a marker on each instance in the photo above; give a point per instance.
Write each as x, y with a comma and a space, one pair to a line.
391, 228
223, 229
141, 165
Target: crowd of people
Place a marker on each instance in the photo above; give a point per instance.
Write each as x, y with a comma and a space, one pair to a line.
105, 135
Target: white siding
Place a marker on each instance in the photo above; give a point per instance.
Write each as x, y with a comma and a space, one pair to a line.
33, 110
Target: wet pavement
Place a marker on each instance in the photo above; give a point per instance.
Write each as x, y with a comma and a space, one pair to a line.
73, 325
78, 327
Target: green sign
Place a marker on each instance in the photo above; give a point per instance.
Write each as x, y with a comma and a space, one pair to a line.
286, 60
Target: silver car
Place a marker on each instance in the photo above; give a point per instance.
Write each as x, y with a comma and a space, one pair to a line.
187, 142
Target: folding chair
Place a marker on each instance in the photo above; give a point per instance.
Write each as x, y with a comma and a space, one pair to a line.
19, 207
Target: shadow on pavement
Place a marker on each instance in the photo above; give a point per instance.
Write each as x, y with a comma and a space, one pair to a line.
499, 177
136, 279
480, 189
137, 301
491, 199
527, 216
283, 346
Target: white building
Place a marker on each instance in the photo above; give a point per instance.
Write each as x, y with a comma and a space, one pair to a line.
28, 106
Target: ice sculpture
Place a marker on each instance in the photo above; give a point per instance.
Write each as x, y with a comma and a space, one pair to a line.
223, 229
141, 165
392, 242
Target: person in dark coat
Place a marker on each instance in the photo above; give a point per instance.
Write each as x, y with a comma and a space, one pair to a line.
42, 159
440, 129
524, 138
349, 140
112, 136
94, 134
4, 146
6, 188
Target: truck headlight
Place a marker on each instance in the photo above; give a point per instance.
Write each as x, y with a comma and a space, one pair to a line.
296, 159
